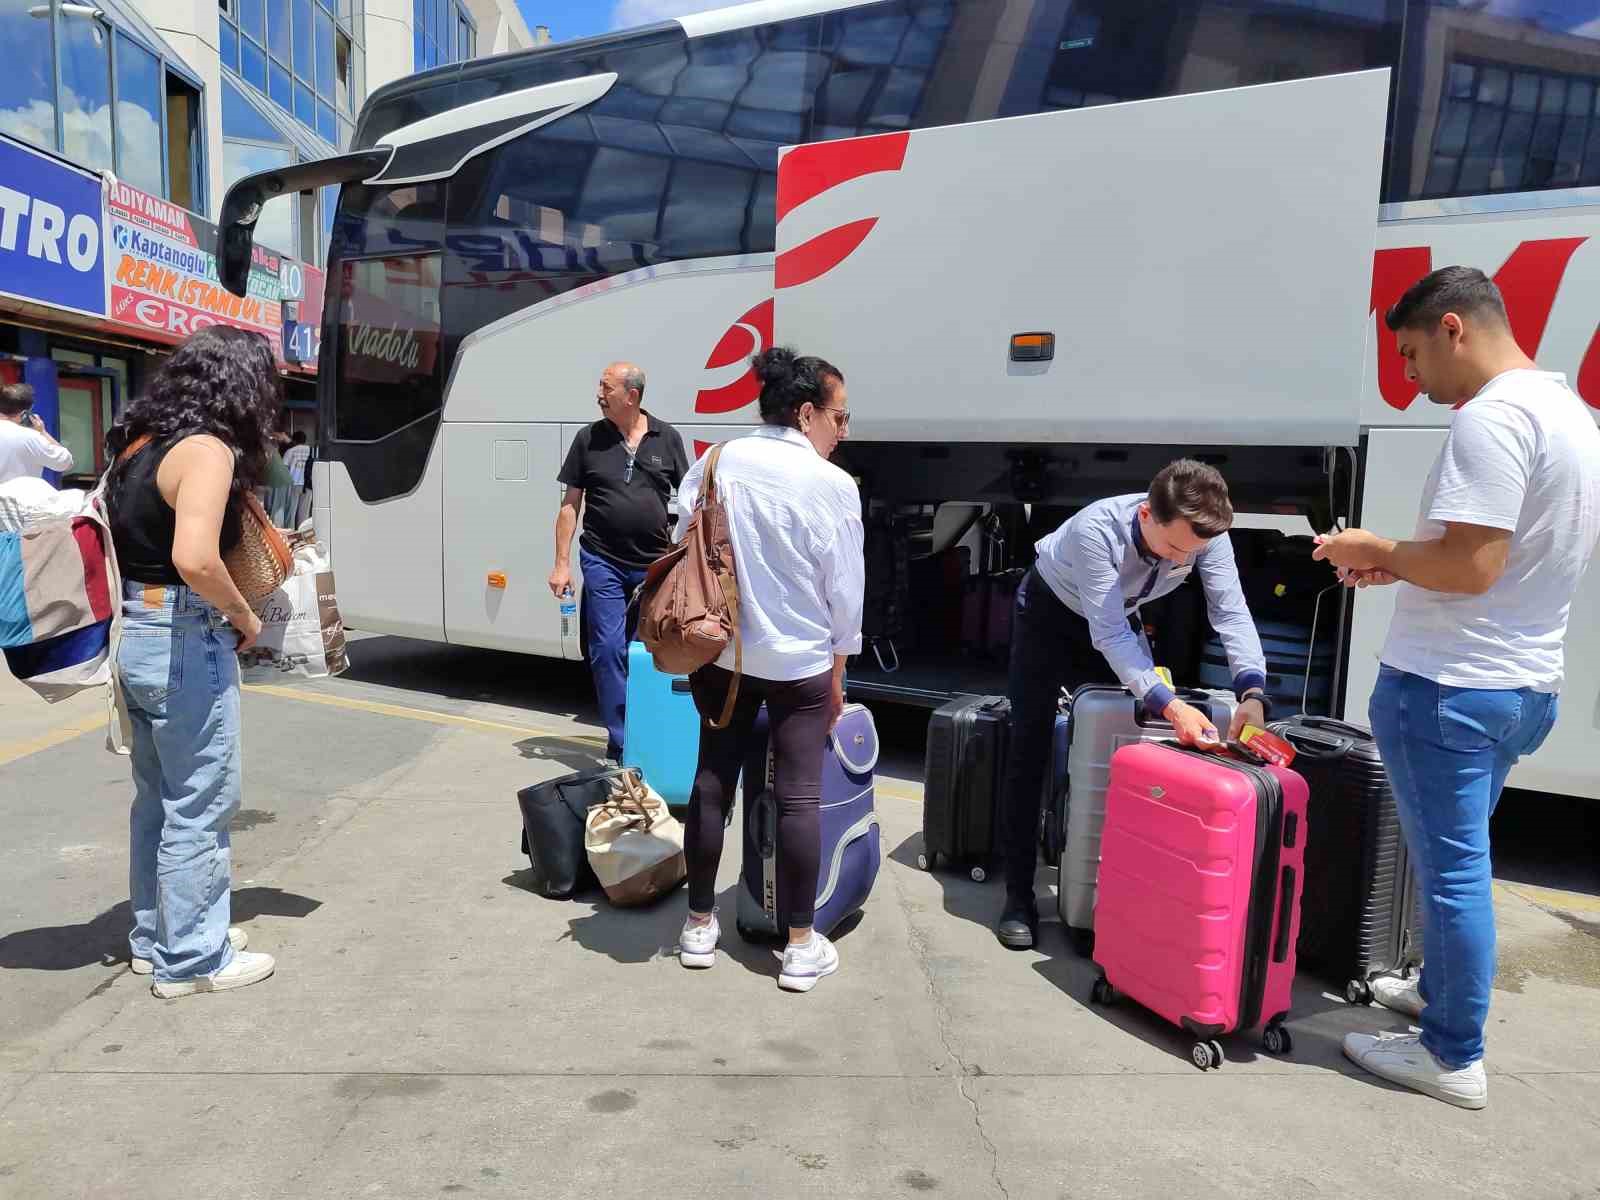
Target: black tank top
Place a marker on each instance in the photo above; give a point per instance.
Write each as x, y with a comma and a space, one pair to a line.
143, 523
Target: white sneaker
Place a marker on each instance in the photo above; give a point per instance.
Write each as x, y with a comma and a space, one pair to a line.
1403, 1059
1402, 995
237, 938
804, 965
697, 944
245, 969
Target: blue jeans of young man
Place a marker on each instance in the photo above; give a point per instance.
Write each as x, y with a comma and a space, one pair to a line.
1447, 751
181, 678
607, 588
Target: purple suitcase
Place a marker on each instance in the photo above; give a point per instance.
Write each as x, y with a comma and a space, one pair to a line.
851, 849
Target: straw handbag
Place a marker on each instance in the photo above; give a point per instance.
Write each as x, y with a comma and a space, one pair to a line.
262, 560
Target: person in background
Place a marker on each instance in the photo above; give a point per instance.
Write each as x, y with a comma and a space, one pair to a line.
26, 448
622, 471
1472, 668
1077, 621
794, 520
295, 459
184, 455
277, 486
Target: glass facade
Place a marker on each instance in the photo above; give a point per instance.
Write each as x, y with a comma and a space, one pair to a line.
84, 87
304, 55
442, 31
307, 57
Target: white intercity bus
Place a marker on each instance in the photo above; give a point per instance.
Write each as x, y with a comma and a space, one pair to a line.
1051, 243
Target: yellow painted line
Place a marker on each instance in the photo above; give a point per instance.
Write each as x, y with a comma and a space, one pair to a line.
418, 714
11, 752
1573, 902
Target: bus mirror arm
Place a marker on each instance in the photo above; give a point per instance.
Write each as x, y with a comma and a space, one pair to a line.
241, 207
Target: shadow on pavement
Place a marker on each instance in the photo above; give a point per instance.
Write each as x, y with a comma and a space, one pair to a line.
467, 673
104, 940
575, 754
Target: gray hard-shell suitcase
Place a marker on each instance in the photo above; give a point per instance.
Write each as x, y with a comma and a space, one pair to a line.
1360, 916
1102, 719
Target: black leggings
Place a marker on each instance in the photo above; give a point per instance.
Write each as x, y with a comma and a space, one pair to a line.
798, 717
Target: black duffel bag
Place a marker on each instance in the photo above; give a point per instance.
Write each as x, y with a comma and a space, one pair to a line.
553, 816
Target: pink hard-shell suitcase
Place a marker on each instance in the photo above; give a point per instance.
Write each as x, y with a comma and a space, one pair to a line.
1201, 867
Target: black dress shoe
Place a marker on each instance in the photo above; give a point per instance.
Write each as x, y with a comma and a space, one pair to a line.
1019, 925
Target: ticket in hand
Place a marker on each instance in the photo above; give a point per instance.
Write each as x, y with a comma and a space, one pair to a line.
1268, 747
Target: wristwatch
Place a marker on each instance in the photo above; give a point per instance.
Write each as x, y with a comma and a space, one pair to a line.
1259, 694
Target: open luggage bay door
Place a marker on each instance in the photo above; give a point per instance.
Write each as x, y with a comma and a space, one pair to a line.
1202, 264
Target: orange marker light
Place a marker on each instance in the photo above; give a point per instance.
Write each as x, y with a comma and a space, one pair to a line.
497, 579
1033, 347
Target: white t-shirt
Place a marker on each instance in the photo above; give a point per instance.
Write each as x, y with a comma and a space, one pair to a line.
1523, 455
26, 452
295, 459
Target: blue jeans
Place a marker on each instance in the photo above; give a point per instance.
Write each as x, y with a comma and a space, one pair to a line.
1447, 751
607, 588
178, 670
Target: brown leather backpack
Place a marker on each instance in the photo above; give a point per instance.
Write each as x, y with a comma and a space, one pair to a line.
689, 600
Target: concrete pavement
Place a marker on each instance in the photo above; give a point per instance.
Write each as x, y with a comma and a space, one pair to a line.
437, 1029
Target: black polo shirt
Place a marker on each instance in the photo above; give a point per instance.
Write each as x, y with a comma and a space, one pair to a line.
625, 513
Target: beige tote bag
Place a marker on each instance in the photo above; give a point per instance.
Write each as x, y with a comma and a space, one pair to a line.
635, 845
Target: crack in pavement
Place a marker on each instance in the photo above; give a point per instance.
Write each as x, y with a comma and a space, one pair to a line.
919, 951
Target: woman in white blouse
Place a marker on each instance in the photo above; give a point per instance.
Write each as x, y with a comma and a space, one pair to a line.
795, 524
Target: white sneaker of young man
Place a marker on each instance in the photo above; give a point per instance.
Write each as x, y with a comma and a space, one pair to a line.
1402, 1058
237, 938
245, 968
806, 963
697, 943
1401, 995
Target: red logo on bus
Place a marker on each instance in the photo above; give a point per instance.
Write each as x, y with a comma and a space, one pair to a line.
1529, 281
808, 171
732, 383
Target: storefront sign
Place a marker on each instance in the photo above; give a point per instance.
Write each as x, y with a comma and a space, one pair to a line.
50, 250
163, 269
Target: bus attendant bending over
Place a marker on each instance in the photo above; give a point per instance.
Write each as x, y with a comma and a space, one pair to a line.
622, 471
1077, 621
1473, 663
795, 523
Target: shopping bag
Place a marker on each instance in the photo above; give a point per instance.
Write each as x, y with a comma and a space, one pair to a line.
302, 633
635, 845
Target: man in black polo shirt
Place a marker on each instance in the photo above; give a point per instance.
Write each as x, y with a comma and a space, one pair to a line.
622, 469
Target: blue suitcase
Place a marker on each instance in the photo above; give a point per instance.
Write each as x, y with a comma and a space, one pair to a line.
660, 728
851, 846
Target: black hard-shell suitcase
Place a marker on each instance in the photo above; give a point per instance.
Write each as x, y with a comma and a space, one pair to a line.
968, 742
1360, 913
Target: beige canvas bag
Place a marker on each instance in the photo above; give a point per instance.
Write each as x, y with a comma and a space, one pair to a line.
635, 845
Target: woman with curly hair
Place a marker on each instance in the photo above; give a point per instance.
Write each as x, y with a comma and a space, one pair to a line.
185, 454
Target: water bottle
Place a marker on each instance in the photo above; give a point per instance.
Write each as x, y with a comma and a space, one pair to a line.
569, 612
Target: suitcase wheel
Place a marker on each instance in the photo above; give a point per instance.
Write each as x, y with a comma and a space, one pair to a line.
979, 874
1358, 992
1275, 1039
1101, 992
927, 860
1207, 1055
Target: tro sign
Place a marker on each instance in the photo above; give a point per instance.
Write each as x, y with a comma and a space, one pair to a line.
50, 244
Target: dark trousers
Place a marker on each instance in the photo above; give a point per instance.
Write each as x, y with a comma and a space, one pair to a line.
797, 716
611, 624
1050, 649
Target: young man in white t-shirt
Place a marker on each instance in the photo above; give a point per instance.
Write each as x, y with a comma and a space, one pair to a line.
1473, 663
26, 447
